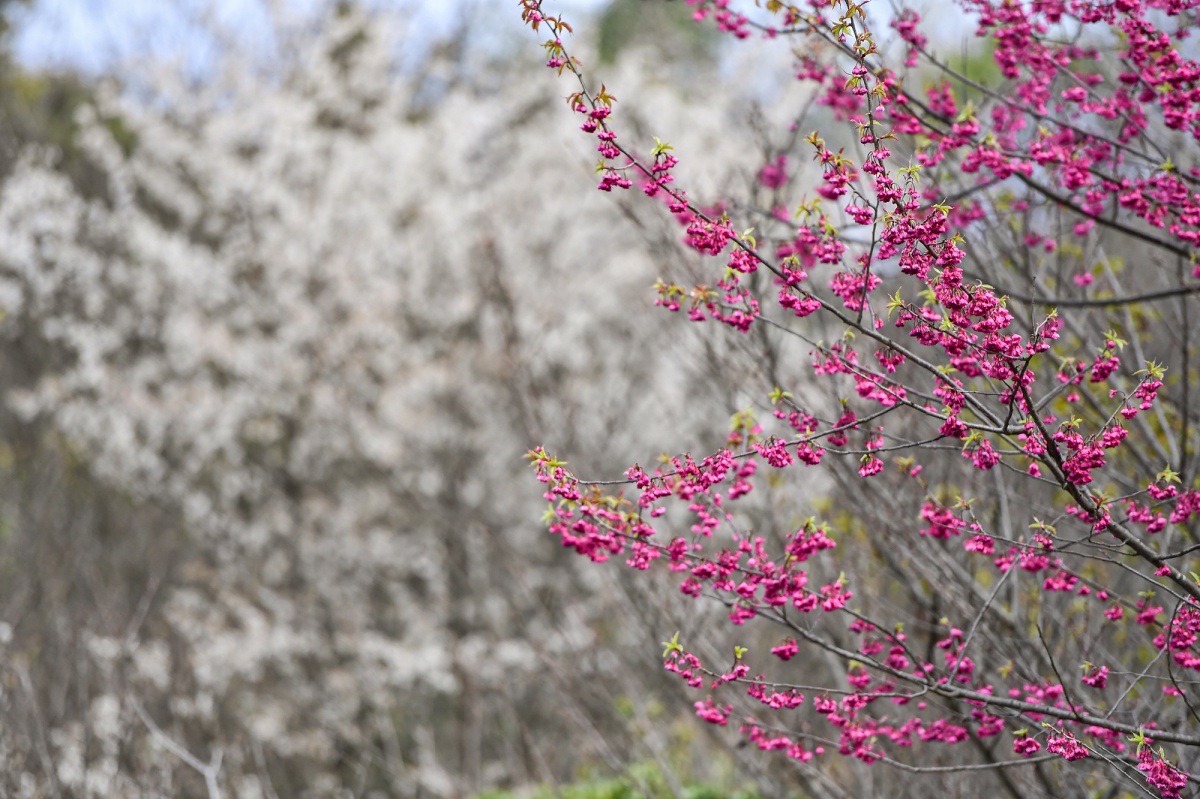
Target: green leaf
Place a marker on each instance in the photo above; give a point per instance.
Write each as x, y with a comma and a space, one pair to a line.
1168, 474
1038, 524
1155, 370
778, 395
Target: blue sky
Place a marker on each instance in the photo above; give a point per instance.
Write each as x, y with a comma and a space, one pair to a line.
92, 34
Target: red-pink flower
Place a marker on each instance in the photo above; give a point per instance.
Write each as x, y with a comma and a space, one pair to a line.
786, 650
1169, 780
1097, 678
1066, 746
1026, 746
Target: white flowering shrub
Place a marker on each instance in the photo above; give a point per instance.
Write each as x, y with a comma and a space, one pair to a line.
269, 383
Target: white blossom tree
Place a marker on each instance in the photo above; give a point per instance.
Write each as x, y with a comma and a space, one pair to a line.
269, 378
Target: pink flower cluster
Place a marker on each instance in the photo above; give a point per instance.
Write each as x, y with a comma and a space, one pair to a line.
948, 350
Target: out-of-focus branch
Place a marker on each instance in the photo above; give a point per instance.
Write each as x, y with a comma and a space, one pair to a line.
208, 770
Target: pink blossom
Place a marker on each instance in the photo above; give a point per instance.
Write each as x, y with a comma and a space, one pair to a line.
1066, 746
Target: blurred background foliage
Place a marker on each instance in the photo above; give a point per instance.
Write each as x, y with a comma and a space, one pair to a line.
366, 513
665, 27
101, 558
